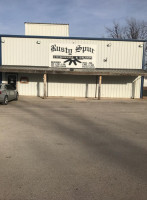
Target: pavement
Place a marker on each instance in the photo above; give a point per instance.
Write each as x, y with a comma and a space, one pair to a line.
73, 149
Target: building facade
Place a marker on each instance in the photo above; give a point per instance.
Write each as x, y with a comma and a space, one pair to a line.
72, 65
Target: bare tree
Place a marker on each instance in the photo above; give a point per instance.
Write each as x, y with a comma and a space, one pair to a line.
132, 30
136, 29
116, 31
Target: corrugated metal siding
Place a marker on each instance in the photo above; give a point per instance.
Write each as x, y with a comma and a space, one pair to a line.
47, 29
79, 86
85, 86
33, 88
26, 51
121, 87
137, 84
72, 86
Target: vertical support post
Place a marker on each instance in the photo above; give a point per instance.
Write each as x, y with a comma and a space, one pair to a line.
99, 88
45, 79
142, 83
96, 86
133, 89
17, 81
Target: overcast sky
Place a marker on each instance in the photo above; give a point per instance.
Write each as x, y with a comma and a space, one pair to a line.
87, 18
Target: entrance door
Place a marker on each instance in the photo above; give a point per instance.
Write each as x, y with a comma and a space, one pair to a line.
12, 78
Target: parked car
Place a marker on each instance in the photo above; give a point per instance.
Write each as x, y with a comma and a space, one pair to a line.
7, 93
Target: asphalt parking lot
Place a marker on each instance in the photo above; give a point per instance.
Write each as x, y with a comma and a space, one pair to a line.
67, 149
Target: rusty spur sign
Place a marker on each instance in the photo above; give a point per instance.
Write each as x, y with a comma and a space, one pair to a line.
72, 56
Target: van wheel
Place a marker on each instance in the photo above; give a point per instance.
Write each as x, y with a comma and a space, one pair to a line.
5, 102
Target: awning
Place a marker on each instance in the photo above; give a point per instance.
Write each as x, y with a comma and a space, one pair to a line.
72, 71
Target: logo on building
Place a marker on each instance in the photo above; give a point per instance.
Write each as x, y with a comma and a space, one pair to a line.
71, 56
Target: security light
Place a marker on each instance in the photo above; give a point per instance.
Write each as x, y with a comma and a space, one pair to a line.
38, 42
109, 45
141, 45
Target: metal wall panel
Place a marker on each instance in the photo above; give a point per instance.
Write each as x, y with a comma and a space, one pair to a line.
47, 29
27, 51
137, 85
87, 86
121, 87
33, 88
79, 86
72, 86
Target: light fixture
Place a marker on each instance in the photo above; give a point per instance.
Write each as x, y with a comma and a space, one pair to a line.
141, 45
2, 41
38, 42
109, 45
105, 59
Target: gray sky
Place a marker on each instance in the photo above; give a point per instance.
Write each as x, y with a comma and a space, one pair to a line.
87, 18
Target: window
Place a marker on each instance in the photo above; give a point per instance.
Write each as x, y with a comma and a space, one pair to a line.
24, 80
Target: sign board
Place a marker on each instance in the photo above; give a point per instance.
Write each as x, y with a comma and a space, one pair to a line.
72, 55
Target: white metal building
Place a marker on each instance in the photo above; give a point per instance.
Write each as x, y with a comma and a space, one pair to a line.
43, 29
72, 65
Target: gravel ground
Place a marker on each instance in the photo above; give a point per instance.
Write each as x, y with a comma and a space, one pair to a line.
73, 149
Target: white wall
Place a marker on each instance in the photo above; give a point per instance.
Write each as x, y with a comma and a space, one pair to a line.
34, 87
26, 51
79, 86
46, 29
85, 86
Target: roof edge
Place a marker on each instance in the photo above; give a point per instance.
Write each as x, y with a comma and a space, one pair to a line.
74, 38
76, 71
45, 23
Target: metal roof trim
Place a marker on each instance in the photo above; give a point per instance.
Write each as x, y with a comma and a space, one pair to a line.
70, 38
75, 71
45, 23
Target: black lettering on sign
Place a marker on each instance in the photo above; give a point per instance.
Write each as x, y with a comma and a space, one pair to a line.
79, 48
61, 49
